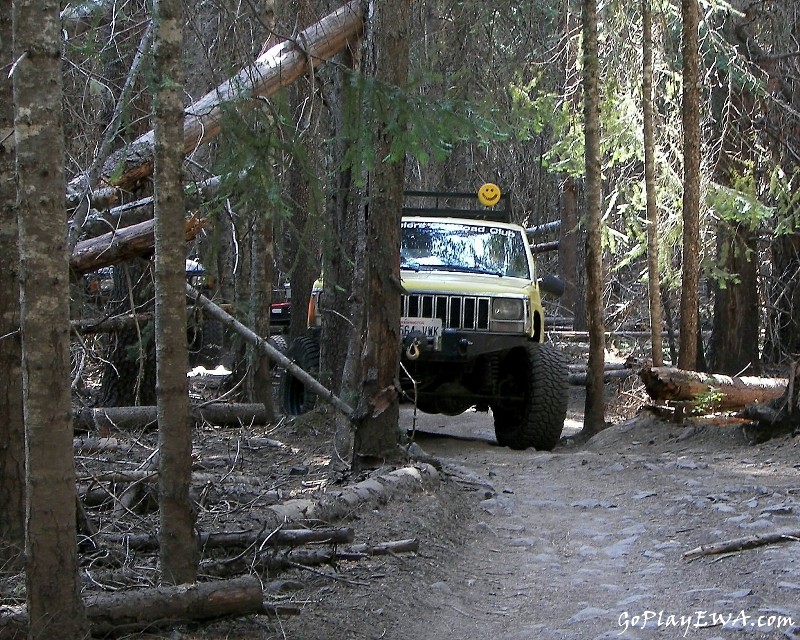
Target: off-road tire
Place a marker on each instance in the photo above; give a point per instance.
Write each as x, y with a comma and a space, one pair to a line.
279, 342
296, 399
539, 420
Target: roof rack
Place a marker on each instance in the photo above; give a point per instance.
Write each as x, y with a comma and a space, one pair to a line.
455, 204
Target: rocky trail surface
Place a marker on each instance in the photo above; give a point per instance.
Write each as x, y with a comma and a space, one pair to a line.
588, 541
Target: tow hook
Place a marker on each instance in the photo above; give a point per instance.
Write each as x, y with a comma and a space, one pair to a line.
412, 352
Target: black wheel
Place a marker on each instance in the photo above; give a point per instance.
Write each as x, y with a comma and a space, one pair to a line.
279, 342
296, 398
211, 337
537, 377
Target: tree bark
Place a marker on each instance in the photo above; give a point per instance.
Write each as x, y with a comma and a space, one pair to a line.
51, 569
178, 554
653, 280
12, 425
711, 391
593, 419
734, 345
690, 278
376, 417
573, 299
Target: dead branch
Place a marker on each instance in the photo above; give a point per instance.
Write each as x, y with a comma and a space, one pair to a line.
273, 561
740, 544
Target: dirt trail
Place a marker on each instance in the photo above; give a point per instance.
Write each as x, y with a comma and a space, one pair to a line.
585, 542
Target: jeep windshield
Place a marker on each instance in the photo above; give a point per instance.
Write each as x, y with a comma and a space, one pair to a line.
473, 247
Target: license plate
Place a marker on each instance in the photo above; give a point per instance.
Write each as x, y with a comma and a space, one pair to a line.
428, 327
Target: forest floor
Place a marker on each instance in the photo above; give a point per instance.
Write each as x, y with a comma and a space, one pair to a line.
587, 541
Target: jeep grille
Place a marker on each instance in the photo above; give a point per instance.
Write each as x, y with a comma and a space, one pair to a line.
456, 312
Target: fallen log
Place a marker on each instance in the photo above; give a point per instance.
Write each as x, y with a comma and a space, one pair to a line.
124, 418
122, 244
99, 445
111, 324
740, 544
779, 415
544, 247
299, 558
234, 539
127, 612
709, 391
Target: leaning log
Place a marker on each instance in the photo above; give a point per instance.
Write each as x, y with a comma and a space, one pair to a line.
709, 391
127, 612
274, 354
276, 68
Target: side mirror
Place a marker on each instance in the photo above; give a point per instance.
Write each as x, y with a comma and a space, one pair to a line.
551, 284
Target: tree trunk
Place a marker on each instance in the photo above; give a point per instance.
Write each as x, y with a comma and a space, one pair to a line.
593, 420
710, 391
51, 570
734, 340
653, 280
574, 298
262, 260
341, 332
376, 417
178, 548
690, 279
12, 426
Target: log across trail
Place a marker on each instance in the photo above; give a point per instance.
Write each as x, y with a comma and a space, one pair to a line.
709, 391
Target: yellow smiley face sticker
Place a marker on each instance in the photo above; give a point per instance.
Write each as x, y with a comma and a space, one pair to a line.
489, 194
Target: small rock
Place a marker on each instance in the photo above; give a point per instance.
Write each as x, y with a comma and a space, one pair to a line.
620, 548
441, 587
738, 594
589, 613
284, 586
794, 586
777, 510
